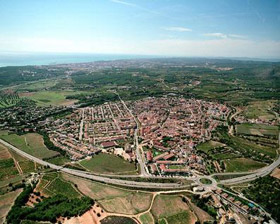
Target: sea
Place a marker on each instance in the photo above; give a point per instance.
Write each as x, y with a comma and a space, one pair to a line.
24, 59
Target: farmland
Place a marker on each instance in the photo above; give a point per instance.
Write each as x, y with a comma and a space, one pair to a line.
7, 165
52, 184
257, 129
31, 143
172, 208
54, 98
259, 110
107, 163
242, 165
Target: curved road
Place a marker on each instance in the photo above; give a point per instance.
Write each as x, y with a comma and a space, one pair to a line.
103, 179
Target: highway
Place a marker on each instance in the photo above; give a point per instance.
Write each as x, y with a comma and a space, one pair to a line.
103, 179
256, 174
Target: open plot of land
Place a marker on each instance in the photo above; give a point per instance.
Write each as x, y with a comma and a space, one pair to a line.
147, 218
113, 199
170, 207
7, 164
201, 215
242, 165
46, 98
59, 160
107, 163
52, 184
54, 98
257, 129
30, 143
6, 202
249, 146
276, 173
205, 147
259, 109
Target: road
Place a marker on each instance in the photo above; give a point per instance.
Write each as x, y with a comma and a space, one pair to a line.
143, 171
256, 174
103, 179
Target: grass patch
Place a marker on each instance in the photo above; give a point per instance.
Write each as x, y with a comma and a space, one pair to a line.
108, 164
30, 143
60, 160
257, 129
180, 218
52, 98
53, 184
207, 146
168, 205
117, 220
242, 165
205, 181
147, 218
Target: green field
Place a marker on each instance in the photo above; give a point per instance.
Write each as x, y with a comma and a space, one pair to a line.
7, 165
207, 146
205, 181
59, 160
107, 163
257, 129
30, 143
242, 165
147, 218
259, 109
8, 169
46, 98
169, 207
180, 218
52, 184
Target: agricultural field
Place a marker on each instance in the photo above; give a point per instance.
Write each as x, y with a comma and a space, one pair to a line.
259, 110
113, 199
25, 166
8, 99
109, 164
30, 143
53, 98
6, 202
258, 130
242, 165
7, 164
53, 183
173, 209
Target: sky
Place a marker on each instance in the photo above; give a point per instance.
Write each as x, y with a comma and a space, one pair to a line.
207, 28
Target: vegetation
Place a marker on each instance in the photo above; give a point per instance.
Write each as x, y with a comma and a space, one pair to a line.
30, 143
107, 163
242, 165
52, 184
266, 192
47, 210
117, 220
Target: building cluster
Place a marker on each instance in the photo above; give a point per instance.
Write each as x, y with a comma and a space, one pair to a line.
26, 115
92, 129
172, 127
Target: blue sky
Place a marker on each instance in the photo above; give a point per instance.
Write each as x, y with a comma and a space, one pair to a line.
234, 28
